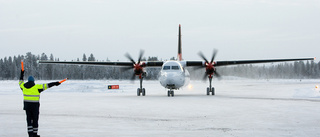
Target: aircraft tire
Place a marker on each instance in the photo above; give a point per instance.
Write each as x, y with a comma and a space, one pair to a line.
212, 90
170, 93
138, 92
143, 91
208, 91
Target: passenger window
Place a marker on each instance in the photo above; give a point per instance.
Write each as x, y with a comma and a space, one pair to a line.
175, 67
166, 67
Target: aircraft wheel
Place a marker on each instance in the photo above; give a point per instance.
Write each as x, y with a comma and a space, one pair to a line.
138, 92
170, 93
143, 91
212, 90
208, 91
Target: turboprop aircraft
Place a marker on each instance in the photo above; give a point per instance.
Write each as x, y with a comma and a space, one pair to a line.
173, 74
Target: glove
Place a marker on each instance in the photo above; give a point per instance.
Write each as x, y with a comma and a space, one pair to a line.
53, 84
21, 75
57, 83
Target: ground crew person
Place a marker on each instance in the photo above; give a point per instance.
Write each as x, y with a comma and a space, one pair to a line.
31, 96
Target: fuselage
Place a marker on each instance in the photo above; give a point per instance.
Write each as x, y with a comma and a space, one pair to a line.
173, 75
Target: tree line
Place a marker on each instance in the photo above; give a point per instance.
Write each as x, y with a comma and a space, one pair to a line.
10, 68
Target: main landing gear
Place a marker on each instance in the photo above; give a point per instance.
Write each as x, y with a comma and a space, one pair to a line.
210, 88
141, 91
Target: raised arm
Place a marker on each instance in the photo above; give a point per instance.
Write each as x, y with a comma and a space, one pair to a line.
21, 74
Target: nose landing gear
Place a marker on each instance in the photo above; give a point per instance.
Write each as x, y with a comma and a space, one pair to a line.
170, 93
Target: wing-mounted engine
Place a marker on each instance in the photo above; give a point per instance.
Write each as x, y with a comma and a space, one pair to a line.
210, 70
138, 69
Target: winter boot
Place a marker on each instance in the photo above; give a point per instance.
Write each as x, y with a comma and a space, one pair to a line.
30, 134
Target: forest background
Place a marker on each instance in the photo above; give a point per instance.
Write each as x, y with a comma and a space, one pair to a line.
10, 68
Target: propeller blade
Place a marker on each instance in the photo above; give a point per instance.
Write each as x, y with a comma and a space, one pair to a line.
123, 69
130, 58
217, 75
140, 56
133, 77
203, 57
204, 77
213, 55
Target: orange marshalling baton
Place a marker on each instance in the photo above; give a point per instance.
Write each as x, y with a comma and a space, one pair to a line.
22, 68
63, 80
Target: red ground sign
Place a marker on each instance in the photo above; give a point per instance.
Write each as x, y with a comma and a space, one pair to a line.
113, 86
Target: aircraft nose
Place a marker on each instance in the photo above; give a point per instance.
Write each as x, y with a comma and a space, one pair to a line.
172, 80
171, 77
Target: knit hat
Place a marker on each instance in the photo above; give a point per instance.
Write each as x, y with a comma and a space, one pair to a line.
30, 78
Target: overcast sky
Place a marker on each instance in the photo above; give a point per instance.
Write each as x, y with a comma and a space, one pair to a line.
239, 29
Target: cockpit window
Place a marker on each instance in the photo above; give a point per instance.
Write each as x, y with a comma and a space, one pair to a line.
175, 67
171, 67
166, 67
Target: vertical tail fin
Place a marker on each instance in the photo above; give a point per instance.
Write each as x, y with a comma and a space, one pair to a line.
179, 44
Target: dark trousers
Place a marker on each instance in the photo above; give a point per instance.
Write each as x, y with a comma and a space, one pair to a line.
32, 112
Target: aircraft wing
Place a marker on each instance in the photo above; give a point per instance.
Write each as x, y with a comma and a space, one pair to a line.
238, 62
160, 63
147, 63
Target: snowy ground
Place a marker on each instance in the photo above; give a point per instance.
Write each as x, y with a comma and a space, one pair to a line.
241, 108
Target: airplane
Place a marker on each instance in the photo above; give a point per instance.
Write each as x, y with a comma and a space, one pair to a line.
173, 74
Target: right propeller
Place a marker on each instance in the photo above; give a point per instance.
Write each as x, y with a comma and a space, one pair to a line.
138, 71
210, 66
137, 66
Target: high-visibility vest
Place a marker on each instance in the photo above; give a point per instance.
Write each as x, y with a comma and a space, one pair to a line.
32, 94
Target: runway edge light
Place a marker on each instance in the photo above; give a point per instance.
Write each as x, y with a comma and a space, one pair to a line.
113, 86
